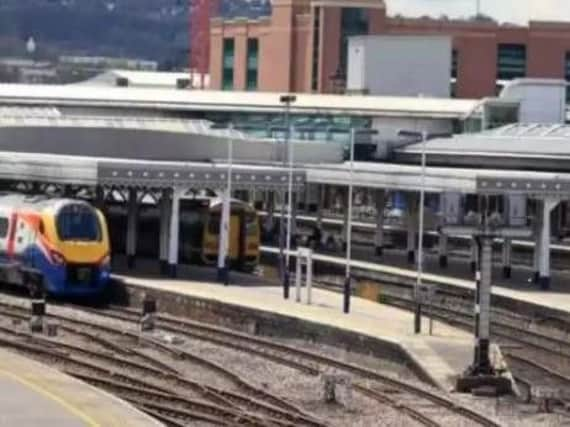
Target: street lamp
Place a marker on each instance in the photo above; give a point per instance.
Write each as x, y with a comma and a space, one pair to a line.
424, 137
286, 100
347, 278
346, 305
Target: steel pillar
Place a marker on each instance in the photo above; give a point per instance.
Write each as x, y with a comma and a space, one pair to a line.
544, 261
507, 251
344, 218
223, 270
165, 214
538, 216
132, 219
173, 238
379, 233
283, 270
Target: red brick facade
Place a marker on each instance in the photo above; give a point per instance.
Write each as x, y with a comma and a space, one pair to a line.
292, 51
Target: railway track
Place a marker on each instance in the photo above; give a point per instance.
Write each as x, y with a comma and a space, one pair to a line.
538, 359
100, 363
82, 368
400, 395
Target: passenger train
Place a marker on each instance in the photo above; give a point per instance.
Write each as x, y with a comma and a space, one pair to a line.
199, 231
65, 240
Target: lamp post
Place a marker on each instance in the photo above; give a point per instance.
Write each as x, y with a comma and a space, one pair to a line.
286, 100
423, 137
347, 279
419, 279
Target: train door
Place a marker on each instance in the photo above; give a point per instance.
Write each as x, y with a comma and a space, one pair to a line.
235, 236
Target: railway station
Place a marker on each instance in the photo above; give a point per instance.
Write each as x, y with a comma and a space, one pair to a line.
386, 254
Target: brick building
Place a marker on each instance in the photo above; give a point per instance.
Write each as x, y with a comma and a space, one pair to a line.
302, 47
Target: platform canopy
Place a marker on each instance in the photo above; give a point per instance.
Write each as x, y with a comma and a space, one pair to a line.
538, 147
93, 171
163, 139
392, 176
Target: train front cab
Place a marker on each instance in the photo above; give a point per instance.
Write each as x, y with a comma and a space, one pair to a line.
244, 237
77, 262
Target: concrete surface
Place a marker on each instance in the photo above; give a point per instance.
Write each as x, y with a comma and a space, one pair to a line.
32, 394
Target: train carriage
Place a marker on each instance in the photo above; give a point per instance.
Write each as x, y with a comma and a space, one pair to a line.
199, 230
63, 239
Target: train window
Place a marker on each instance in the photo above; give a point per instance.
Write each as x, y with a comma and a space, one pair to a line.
41, 227
78, 222
214, 224
3, 227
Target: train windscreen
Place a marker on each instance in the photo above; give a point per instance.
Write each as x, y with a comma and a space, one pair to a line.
78, 222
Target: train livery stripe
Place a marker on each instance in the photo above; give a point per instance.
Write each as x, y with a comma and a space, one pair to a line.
12, 236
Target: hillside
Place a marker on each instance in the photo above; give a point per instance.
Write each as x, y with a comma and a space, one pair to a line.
148, 29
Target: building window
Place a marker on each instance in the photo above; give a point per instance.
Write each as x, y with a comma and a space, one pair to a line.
252, 72
316, 51
511, 63
454, 65
567, 75
354, 22
228, 64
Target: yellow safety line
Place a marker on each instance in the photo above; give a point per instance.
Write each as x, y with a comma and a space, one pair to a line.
39, 389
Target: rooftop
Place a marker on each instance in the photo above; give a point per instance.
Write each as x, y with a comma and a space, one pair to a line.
146, 79
531, 146
201, 100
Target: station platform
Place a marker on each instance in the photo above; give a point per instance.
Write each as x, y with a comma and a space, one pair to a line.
441, 357
32, 394
520, 287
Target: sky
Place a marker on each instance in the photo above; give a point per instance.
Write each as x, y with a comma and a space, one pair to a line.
515, 11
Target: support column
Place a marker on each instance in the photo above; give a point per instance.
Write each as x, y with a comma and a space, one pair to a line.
379, 234
443, 239
173, 238
132, 217
507, 251
538, 218
544, 261
164, 209
412, 202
